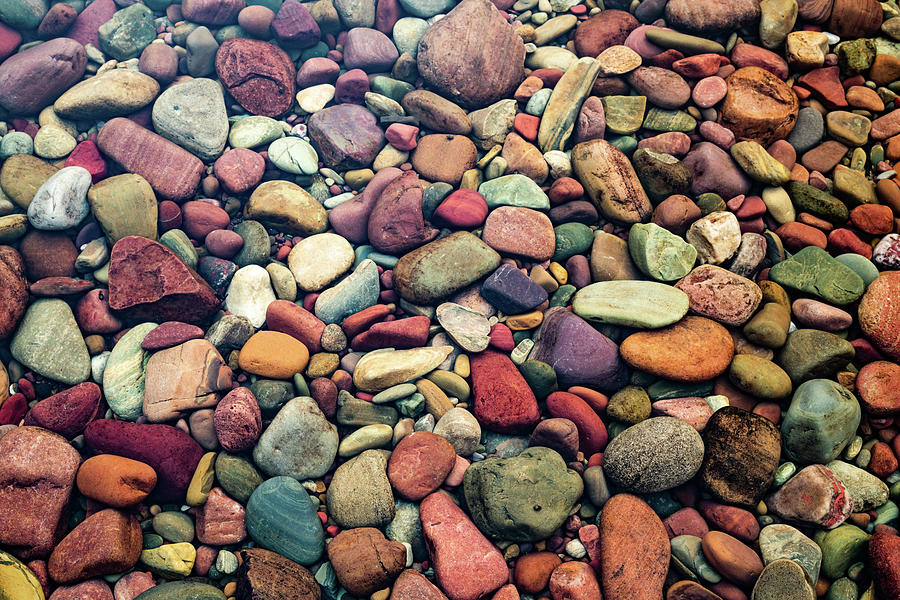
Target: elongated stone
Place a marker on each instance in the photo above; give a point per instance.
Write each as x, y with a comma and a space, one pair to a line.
123, 377
382, 369
558, 118
611, 182
642, 304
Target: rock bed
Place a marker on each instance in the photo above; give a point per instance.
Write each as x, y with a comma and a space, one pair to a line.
422, 300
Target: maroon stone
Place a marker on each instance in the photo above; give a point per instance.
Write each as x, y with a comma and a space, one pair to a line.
68, 412
13, 292
34, 78
258, 74
87, 155
238, 420
402, 333
170, 333
396, 224
294, 26
211, 12
297, 322
60, 286
94, 315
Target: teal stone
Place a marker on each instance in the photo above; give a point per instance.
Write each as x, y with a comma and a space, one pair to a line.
813, 271
641, 304
230, 31
255, 250
151, 541
571, 239
158, 5
784, 472
49, 343
427, 8
688, 550
282, 518
664, 390
412, 406
659, 253
182, 590
23, 14
390, 87
885, 513
562, 295
294, 155
626, 143
841, 547
319, 50
407, 33
811, 353
356, 292
272, 394
860, 265
778, 541
17, 142
818, 202
658, 119
123, 377
383, 260
540, 377
538, 102
433, 196
174, 526
177, 241
250, 132
662, 503
514, 190
522, 498
820, 422
842, 589
128, 32
237, 476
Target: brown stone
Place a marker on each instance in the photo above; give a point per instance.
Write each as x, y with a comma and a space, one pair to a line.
879, 313
603, 30
711, 17
364, 560
22, 175
454, 58
520, 232
436, 112
441, 157
396, 224
265, 575
611, 182
258, 74
532, 572
13, 292
692, 350
115, 480
758, 106
634, 553
48, 254
525, 158
184, 378
37, 471
419, 464
106, 542
610, 259
851, 19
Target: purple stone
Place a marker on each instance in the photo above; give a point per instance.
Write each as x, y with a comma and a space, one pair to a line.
351, 218
316, 70
87, 23
369, 50
351, 87
347, 136
578, 353
713, 170
294, 26
511, 291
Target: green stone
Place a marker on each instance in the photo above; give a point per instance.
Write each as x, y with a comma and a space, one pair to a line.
641, 304
855, 56
688, 44
412, 406
841, 547
625, 143
759, 377
759, 164
124, 205
23, 14
822, 204
624, 114
123, 377
249, 132
293, 155
572, 239
282, 518
540, 376
769, 327
178, 242
514, 190
861, 265
49, 343
255, 250
521, 498
450, 383
820, 421
813, 271
237, 476
562, 295
688, 549
128, 32
842, 589
658, 119
853, 186
659, 253
182, 590
272, 394
174, 526
390, 87
359, 413
811, 353
710, 202
629, 405
664, 390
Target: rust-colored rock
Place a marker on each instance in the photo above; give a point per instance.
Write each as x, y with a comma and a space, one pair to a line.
364, 560
758, 106
13, 292
419, 464
412, 585
265, 575
444, 157
115, 480
503, 401
879, 313
106, 542
258, 74
396, 224
851, 19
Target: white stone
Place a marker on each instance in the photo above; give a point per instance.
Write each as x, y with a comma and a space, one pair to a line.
468, 328
715, 236
314, 98
249, 294
61, 202
320, 259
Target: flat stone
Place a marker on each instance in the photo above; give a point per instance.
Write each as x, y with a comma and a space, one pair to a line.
381, 369
282, 518
192, 114
115, 93
49, 342
640, 304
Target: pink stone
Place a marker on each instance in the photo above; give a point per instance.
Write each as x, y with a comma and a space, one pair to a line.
463, 209
220, 521
87, 155
686, 521
401, 136
93, 314
132, 585
239, 170
671, 142
238, 420
709, 91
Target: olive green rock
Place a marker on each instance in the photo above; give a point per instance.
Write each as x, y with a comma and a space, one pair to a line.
442, 267
174, 526
841, 547
49, 342
540, 377
659, 119
288, 207
759, 164
237, 476
820, 203
123, 377
813, 271
571, 239
629, 405
854, 186
17, 581
811, 353
842, 589
759, 377
659, 253
182, 590
178, 242
820, 421
558, 118
128, 32
641, 304
624, 114
359, 494
780, 579
257, 246
381, 369
253, 131
514, 190
521, 498
22, 175
865, 489
124, 205
769, 326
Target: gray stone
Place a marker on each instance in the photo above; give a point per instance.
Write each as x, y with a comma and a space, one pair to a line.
192, 114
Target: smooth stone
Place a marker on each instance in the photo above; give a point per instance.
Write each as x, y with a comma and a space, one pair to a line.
115, 93
293, 155
811, 353
282, 518
124, 205
33, 78
610, 181
841, 547
123, 377
720, 295
183, 590
778, 541
640, 304
468, 328
61, 202
360, 494
49, 342
282, 450
782, 578
287, 207
253, 131
192, 114
813, 496
356, 292
126, 34
320, 259
813, 271
382, 369
514, 190
820, 421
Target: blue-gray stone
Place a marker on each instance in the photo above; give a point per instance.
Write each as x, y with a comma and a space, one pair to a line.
357, 291
282, 518
512, 292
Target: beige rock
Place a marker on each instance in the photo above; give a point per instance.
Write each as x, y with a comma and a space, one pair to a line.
610, 181
115, 93
715, 236
806, 49
381, 369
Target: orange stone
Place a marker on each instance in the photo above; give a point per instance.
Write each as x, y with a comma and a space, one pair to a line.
106, 542
115, 480
532, 572
273, 354
758, 106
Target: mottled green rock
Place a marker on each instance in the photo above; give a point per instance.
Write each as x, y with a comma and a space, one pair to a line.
853, 186
514, 190
811, 353
658, 119
128, 32
123, 377
443, 267
282, 518
182, 590
659, 253
820, 203
782, 578
253, 131
522, 498
629, 405
49, 342
572, 239
174, 526
759, 164
124, 205
860, 265
23, 14
624, 114
255, 250
841, 547
813, 271
641, 304
17, 581
778, 541
855, 56
820, 422
540, 376
354, 412
237, 476
688, 44
842, 589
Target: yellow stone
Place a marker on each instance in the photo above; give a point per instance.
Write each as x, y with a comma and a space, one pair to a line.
12, 227
559, 273
529, 320
471, 179
22, 175
172, 561
461, 366
436, 401
380, 594
453, 384
288, 207
17, 582
322, 364
384, 368
365, 438
543, 279
202, 481
4, 384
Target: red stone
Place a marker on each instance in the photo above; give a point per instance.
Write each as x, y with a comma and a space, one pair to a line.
738, 522
359, 322
419, 464
501, 338
462, 209
60, 286
68, 412
574, 581
503, 401
239, 170
238, 420
877, 384
171, 333
884, 560
297, 322
826, 83
841, 241
874, 219
148, 281
698, 66
258, 74
87, 155
220, 521
527, 126
686, 521
883, 461
591, 430
401, 136
13, 409
401, 333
